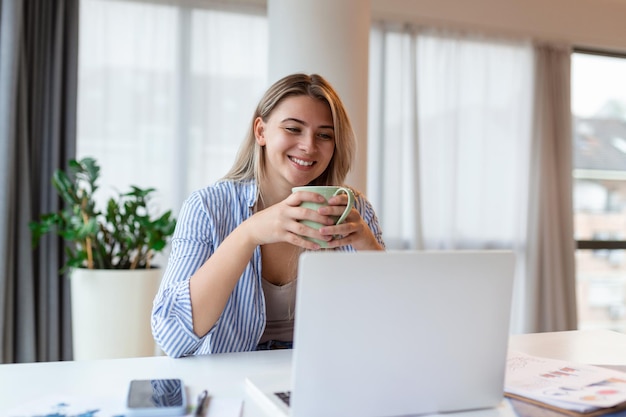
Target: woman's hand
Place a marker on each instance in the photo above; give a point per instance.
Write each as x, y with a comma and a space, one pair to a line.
281, 222
353, 231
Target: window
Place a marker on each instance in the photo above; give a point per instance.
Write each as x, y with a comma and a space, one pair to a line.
166, 92
599, 135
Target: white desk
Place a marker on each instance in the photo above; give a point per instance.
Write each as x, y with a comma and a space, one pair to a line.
223, 375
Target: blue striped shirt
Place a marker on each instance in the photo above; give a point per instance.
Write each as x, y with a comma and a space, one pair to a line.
206, 218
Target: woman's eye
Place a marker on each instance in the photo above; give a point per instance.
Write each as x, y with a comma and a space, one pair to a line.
326, 136
292, 129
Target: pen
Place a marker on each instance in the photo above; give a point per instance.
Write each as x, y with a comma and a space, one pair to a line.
201, 403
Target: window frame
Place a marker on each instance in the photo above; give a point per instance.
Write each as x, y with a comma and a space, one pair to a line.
586, 244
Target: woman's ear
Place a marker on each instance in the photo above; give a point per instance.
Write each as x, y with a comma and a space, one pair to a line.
259, 131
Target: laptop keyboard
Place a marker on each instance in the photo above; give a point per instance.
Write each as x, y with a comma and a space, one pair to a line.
285, 396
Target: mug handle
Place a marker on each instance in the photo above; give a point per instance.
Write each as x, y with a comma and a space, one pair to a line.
350, 195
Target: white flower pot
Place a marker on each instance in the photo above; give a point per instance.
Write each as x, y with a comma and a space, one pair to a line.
111, 312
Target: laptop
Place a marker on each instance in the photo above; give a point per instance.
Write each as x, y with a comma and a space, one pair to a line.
395, 333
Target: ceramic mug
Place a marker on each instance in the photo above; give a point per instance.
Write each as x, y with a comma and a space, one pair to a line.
327, 191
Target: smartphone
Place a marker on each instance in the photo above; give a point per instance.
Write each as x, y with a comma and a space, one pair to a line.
156, 397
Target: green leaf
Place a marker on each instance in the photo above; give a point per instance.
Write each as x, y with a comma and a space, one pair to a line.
127, 231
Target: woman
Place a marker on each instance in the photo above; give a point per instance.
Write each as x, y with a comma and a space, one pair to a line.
230, 281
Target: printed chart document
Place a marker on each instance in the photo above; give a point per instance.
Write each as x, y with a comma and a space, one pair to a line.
570, 388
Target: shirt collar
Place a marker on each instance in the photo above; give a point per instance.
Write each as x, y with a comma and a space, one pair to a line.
251, 191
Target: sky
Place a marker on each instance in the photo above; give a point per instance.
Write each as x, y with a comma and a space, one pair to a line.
596, 79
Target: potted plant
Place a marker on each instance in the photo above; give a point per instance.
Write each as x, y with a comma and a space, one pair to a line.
109, 256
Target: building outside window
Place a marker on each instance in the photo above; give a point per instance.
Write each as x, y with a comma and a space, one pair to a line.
599, 177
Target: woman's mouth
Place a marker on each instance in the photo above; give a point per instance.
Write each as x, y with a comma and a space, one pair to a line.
301, 162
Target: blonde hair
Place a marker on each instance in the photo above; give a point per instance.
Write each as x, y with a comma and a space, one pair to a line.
250, 161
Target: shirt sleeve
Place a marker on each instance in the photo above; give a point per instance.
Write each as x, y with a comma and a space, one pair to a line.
368, 214
191, 246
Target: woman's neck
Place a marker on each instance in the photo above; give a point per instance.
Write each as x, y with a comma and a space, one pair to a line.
270, 195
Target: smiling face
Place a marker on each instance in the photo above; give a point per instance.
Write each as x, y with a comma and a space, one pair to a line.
299, 141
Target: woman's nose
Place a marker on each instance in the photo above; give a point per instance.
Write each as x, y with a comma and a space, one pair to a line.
307, 142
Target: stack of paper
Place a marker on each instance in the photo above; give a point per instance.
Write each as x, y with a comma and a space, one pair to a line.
567, 387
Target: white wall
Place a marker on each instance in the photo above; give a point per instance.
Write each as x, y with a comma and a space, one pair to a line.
583, 23
333, 39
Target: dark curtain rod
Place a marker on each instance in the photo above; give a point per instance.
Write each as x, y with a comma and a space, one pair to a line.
601, 52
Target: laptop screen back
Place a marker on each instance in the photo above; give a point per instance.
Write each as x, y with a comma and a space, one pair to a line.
397, 333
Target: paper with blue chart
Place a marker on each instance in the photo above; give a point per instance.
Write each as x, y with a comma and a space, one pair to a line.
568, 385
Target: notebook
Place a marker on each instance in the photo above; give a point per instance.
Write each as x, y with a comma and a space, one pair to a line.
395, 333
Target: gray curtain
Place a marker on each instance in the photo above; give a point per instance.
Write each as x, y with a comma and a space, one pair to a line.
551, 246
38, 86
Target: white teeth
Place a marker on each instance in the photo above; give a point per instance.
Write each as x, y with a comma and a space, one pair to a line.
301, 162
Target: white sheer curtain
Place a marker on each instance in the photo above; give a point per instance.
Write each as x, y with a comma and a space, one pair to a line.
393, 184
166, 91
450, 132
